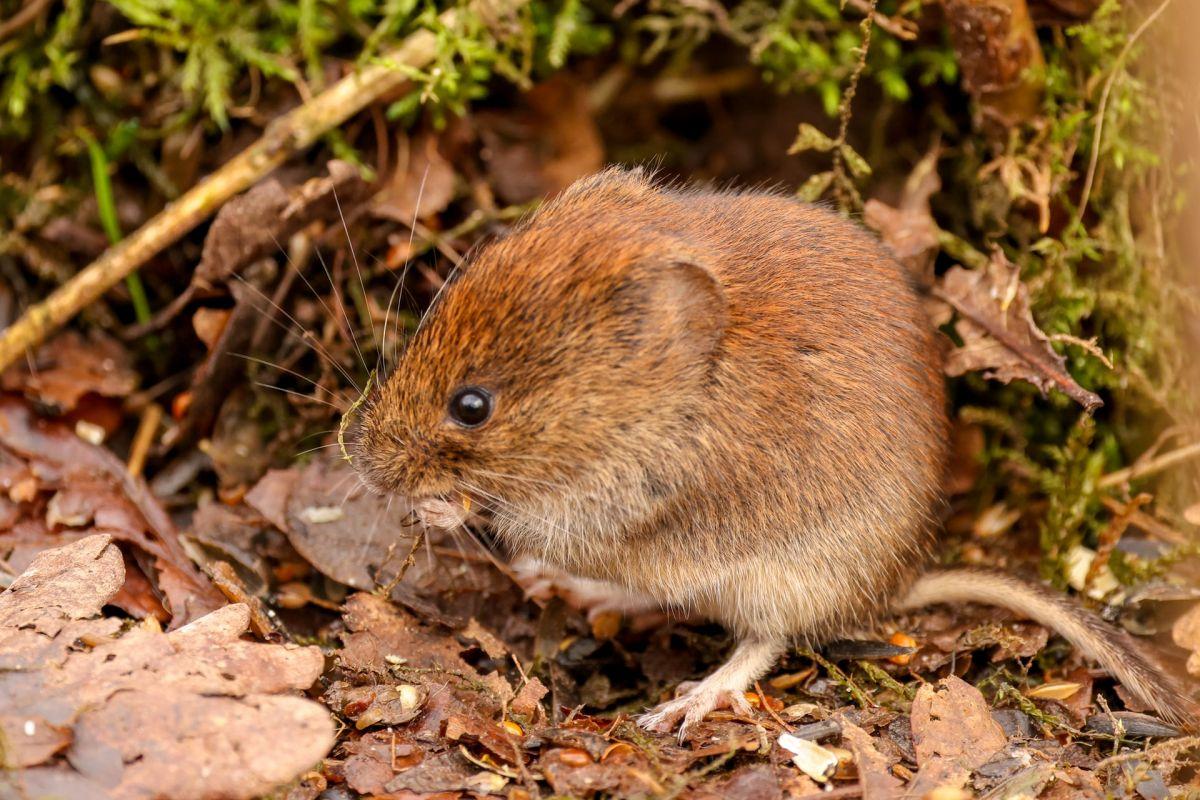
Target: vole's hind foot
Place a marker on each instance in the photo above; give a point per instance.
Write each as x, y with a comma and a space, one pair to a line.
724, 688
692, 706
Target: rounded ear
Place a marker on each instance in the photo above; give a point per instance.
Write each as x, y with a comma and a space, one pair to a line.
674, 308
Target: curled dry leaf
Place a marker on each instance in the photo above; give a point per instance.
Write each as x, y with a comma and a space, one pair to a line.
69, 366
998, 332
195, 713
908, 229
952, 732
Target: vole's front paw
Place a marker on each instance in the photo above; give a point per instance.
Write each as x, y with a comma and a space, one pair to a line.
541, 582
692, 706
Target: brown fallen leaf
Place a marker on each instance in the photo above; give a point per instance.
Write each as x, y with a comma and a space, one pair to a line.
874, 769
999, 334
952, 732
1186, 634
909, 230
421, 185
196, 713
259, 222
69, 366
544, 146
349, 533
93, 490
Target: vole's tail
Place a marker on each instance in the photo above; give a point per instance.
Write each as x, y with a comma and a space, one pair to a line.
1114, 649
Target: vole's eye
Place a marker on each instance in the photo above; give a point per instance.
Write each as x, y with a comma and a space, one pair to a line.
470, 406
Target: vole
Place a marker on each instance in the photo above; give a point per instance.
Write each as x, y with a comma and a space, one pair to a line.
727, 403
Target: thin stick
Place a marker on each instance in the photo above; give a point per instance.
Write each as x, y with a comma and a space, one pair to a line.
147, 426
284, 137
1151, 467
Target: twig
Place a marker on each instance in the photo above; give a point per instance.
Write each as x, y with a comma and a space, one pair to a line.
285, 136
1103, 108
147, 426
1151, 467
409, 560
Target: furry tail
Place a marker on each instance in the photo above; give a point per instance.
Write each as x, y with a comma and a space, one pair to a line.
1114, 649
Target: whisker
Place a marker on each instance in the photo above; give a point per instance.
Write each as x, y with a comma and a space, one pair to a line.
291, 372
519, 478
320, 297
300, 395
412, 231
341, 301
315, 449
308, 337
357, 270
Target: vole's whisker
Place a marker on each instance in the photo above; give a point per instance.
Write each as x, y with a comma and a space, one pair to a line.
308, 337
412, 231
520, 479
512, 510
341, 304
357, 271
315, 449
320, 298
291, 372
299, 395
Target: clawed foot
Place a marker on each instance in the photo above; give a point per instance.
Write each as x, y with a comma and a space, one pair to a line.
692, 706
722, 689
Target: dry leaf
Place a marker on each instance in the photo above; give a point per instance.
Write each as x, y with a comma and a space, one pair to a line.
908, 229
94, 489
999, 334
953, 733
356, 537
259, 222
69, 366
874, 769
209, 323
1056, 690
1186, 634
196, 713
421, 185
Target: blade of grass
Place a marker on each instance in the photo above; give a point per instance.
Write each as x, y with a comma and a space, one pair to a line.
107, 209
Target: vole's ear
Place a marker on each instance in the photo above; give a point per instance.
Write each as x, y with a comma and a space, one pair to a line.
672, 308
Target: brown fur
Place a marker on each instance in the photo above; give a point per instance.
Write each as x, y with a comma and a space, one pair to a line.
728, 402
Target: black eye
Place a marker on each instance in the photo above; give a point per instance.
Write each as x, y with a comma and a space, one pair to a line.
470, 406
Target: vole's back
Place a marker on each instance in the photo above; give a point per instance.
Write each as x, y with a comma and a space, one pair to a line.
820, 447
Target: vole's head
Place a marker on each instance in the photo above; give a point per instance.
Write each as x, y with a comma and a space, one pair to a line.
574, 349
